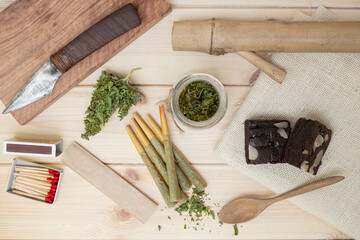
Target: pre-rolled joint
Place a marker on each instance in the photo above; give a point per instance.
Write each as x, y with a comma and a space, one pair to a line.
164, 126
148, 132
134, 140
139, 132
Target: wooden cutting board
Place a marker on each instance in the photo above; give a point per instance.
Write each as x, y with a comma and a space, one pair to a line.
32, 30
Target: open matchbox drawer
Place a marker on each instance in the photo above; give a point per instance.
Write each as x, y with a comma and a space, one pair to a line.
12, 176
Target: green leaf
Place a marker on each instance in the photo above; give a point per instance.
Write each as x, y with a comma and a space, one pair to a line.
111, 93
236, 230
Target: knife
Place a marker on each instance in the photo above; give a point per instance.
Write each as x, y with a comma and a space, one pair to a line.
43, 81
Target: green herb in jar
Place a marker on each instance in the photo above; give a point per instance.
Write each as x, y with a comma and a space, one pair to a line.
199, 101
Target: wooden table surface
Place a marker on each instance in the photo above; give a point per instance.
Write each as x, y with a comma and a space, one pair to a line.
83, 212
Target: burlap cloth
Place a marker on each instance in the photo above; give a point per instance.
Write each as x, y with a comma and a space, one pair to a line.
320, 86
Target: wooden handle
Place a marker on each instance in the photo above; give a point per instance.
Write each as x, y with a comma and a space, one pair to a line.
218, 37
309, 187
95, 37
270, 69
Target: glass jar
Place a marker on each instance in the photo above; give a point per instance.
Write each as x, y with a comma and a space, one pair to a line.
185, 122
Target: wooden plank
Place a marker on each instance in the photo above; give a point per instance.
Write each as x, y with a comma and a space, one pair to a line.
64, 120
107, 181
44, 27
267, 4
250, 3
83, 212
160, 65
163, 66
5, 3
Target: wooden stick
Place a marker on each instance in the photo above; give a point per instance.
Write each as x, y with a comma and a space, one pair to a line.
191, 173
159, 181
29, 187
270, 69
22, 169
46, 199
21, 188
33, 184
37, 169
42, 183
169, 158
184, 182
34, 174
49, 179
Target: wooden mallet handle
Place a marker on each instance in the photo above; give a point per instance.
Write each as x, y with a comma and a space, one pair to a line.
270, 69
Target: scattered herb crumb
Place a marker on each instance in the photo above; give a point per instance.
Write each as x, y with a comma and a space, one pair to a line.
169, 217
236, 230
195, 206
184, 226
159, 227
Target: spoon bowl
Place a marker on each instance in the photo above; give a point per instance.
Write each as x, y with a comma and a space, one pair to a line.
244, 209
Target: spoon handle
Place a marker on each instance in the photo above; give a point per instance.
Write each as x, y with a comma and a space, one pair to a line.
308, 188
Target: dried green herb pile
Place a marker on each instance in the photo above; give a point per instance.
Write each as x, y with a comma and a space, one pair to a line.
195, 206
111, 93
199, 101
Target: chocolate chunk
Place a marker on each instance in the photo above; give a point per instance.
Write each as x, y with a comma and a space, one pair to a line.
307, 145
265, 140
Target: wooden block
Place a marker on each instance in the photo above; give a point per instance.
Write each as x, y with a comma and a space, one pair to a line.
33, 30
107, 181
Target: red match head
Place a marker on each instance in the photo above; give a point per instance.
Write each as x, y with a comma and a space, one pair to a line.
48, 199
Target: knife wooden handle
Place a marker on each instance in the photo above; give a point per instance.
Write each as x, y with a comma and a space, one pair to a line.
95, 37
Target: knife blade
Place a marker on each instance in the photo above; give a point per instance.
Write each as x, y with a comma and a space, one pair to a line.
44, 80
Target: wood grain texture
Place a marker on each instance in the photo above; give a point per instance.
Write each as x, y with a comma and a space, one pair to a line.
305, 4
111, 184
64, 120
83, 212
27, 42
268, 4
157, 57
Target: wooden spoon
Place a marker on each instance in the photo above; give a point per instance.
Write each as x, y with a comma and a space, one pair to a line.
244, 209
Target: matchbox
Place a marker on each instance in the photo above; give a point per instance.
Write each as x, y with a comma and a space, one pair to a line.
31, 147
29, 186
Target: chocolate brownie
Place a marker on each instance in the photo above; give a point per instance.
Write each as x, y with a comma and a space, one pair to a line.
265, 140
307, 145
